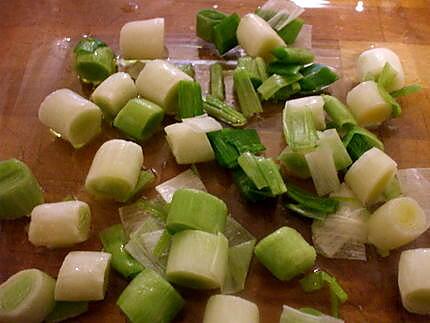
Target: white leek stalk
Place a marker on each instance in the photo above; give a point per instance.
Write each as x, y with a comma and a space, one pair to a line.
115, 170
27, 297
414, 280
331, 140
371, 62
60, 224
367, 105
83, 276
230, 309
415, 183
256, 36
188, 145
315, 104
370, 174
203, 123
113, 93
291, 315
142, 39
73, 117
396, 223
158, 82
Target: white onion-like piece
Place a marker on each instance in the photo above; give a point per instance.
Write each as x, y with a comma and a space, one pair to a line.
203, 123
230, 309
291, 315
315, 104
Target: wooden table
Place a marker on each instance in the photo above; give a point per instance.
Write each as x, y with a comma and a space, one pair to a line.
36, 42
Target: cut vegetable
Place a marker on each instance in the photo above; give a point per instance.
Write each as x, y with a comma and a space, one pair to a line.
206, 20
224, 33
149, 298
300, 56
280, 12
283, 69
248, 189
294, 163
407, 90
316, 77
285, 253
249, 64
115, 170
198, 259
61, 224
74, 118
291, 315
315, 104
142, 39
19, 190
83, 276
275, 83
248, 98
223, 112
286, 92
338, 112
290, 32
230, 309
330, 139
217, 81
203, 123
190, 103
27, 296
299, 128
359, 140
396, 109
188, 69
65, 311
414, 182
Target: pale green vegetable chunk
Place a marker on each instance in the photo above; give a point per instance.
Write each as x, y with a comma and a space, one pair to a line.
83, 276
331, 140
292, 315
230, 309
60, 224
73, 117
27, 297
315, 104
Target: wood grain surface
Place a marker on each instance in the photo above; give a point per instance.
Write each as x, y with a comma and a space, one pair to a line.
36, 42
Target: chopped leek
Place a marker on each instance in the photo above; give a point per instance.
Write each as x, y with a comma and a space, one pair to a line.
338, 112
414, 182
283, 69
396, 109
290, 32
188, 69
285, 253
359, 140
206, 20
203, 123
407, 90
316, 77
248, 189
331, 140
286, 92
279, 13
275, 83
222, 111
248, 98
261, 68
291, 315
393, 189
230, 309
294, 163
387, 76
217, 81
224, 33
249, 64
19, 190
315, 104
66, 310
288, 55
190, 102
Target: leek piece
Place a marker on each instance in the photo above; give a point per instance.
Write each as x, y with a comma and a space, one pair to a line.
396, 109
286, 92
190, 102
73, 117
290, 32
413, 279
114, 239
230, 309
396, 223
323, 170
19, 190
310, 310
294, 163
299, 128
248, 98
203, 123
115, 170
206, 20
367, 104
283, 69
359, 140
318, 280
66, 310
248, 189
83, 276
217, 81
188, 145
285, 253
113, 94
393, 189
257, 37
149, 298
249, 64
60, 224
275, 83
338, 112
27, 296
315, 104
186, 179
288, 55
158, 82
249, 164
145, 180
224, 33
196, 210
370, 174
407, 90
197, 259
142, 39
261, 68
414, 182
316, 77
188, 69
387, 76
139, 119
93, 60
291, 315
279, 13
223, 112
331, 140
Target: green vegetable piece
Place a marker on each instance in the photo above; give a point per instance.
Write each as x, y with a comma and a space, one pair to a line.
223, 112
387, 76
190, 103
393, 189
149, 298
289, 55
224, 33
248, 189
248, 98
206, 20
410, 89
275, 83
19, 190
338, 112
396, 109
311, 311
286, 92
217, 81
145, 180
294, 162
285, 253
188, 69
316, 77
330, 139
261, 68
249, 64
139, 119
66, 310
359, 140
299, 128
290, 32
280, 68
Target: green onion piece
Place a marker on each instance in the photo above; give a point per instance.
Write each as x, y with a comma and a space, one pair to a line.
286, 92
387, 76
217, 81
290, 32
19, 190
66, 310
410, 89
206, 20
248, 189
285, 253
275, 83
249, 165
393, 189
294, 162
283, 69
224, 33
299, 128
303, 211
139, 119
196, 210
226, 154
114, 239
190, 103
319, 279
359, 140
311, 311
396, 109
227, 308
249, 64
306, 315
338, 112
94, 60
266, 14
145, 180
316, 77
261, 68
331, 140
289, 55
248, 98
149, 298
223, 112
188, 69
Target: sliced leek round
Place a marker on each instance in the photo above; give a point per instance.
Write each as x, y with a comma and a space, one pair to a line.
230, 309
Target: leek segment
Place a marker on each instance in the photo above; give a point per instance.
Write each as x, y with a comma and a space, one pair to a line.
330, 139
338, 112
299, 128
316, 106
230, 309
66, 310
291, 315
294, 163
